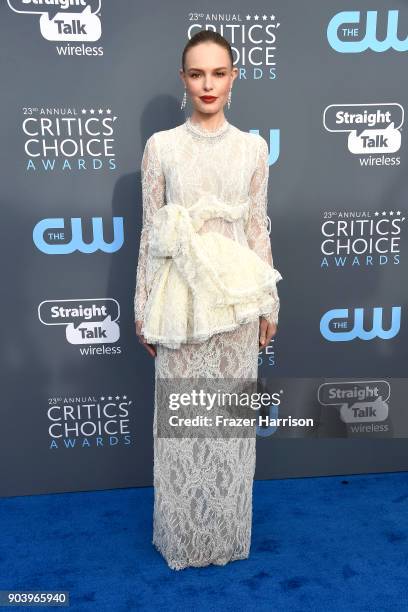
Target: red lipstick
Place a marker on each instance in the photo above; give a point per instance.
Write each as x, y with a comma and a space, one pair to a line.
208, 99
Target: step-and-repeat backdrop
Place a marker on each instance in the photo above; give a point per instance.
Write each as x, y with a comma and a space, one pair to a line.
84, 84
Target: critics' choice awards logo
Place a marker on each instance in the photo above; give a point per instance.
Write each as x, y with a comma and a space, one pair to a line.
361, 239
346, 324
358, 31
69, 139
86, 321
51, 237
89, 421
361, 404
373, 129
253, 39
65, 21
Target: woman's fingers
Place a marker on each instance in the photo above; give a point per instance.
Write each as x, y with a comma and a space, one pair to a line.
151, 349
266, 332
263, 326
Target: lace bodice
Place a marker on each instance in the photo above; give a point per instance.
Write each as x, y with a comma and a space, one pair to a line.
189, 162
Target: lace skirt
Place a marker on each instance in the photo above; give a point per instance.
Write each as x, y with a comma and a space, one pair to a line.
203, 486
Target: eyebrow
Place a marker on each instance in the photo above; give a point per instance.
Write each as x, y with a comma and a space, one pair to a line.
200, 70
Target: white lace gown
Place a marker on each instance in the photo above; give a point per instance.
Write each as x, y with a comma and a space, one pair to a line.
203, 486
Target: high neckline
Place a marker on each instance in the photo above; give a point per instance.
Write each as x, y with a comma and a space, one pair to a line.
199, 130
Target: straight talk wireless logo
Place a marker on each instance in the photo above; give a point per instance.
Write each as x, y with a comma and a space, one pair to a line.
363, 405
65, 21
91, 324
373, 130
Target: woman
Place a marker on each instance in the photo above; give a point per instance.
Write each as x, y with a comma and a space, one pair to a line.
205, 302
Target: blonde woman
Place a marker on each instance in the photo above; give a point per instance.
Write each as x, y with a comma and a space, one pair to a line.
205, 302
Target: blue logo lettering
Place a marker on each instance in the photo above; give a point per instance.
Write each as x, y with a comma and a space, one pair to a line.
77, 243
369, 41
358, 330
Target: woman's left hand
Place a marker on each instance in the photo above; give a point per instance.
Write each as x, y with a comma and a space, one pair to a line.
266, 332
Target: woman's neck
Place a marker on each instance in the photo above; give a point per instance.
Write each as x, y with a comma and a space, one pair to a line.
208, 122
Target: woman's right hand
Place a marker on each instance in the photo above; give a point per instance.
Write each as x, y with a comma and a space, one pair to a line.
151, 349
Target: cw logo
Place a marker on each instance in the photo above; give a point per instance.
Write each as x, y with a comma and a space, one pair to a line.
345, 21
50, 227
357, 322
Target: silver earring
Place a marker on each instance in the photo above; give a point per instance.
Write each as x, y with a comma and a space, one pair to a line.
229, 98
183, 103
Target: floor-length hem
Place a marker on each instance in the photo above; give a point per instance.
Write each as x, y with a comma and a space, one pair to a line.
203, 486
177, 565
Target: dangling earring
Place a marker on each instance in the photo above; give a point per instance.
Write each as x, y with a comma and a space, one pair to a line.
229, 98
183, 103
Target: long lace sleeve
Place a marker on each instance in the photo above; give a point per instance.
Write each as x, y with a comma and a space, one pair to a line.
257, 225
153, 190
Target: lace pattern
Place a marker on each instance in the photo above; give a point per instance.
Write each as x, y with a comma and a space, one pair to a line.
196, 163
153, 190
257, 227
202, 486
202, 132
201, 284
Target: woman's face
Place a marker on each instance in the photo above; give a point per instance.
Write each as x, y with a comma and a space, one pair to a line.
208, 73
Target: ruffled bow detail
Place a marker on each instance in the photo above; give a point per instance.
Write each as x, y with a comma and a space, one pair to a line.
202, 284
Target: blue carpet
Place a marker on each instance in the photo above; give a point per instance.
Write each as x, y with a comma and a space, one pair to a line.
329, 543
